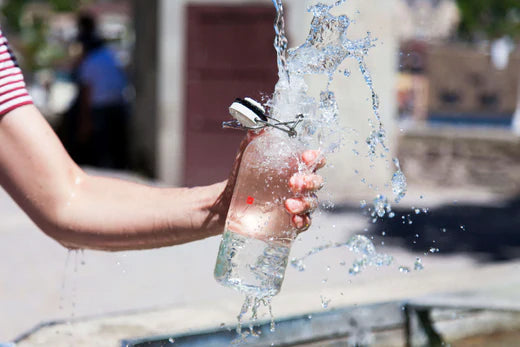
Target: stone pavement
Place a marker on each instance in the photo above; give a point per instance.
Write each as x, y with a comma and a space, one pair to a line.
111, 296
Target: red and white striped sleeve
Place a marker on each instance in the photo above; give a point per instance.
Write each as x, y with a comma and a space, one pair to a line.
13, 93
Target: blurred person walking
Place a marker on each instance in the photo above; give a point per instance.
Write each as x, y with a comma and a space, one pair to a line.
103, 117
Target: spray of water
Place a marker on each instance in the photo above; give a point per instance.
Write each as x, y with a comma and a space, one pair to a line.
357, 244
326, 48
280, 41
324, 51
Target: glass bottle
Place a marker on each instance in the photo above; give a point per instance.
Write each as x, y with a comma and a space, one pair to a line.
255, 246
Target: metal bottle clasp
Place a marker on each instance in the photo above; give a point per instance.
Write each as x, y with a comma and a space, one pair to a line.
252, 112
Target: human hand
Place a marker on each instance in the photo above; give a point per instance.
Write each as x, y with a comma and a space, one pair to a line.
304, 185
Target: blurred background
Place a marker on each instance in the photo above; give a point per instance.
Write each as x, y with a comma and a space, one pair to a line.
162, 74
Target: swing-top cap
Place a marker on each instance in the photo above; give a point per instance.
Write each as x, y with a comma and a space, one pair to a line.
248, 112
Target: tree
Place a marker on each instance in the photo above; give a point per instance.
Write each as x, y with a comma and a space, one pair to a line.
489, 19
31, 35
13, 9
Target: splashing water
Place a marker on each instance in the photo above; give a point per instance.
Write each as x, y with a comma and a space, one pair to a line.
358, 244
252, 304
381, 207
326, 48
404, 269
69, 287
399, 185
323, 53
325, 302
418, 265
280, 41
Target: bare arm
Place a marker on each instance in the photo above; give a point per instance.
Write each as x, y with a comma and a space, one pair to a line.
84, 211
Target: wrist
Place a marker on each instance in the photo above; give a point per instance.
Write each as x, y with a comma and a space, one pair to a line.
214, 205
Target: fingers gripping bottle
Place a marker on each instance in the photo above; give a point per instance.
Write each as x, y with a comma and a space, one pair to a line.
258, 233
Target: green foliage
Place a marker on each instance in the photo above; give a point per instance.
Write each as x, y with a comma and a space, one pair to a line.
37, 51
489, 19
12, 11
65, 5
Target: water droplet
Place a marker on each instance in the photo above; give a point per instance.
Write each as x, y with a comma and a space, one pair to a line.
381, 206
404, 269
358, 244
325, 302
399, 185
418, 266
298, 264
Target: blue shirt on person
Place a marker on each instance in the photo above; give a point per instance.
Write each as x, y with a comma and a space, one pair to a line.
101, 71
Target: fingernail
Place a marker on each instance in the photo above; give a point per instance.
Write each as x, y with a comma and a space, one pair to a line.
298, 221
296, 182
292, 205
310, 156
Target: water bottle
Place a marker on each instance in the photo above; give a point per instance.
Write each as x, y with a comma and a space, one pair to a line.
258, 233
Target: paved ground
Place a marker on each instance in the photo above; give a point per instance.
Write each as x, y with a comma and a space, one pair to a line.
175, 288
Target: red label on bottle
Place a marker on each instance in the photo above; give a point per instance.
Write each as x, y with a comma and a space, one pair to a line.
250, 200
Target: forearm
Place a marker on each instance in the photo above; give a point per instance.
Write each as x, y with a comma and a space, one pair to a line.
110, 214
83, 211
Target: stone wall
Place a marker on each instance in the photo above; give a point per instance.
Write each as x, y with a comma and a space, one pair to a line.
480, 158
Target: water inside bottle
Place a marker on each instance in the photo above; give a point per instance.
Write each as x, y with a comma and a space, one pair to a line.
251, 266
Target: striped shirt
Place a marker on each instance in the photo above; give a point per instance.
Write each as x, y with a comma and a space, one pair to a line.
13, 93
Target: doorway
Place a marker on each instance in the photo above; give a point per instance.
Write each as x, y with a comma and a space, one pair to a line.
230, 54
